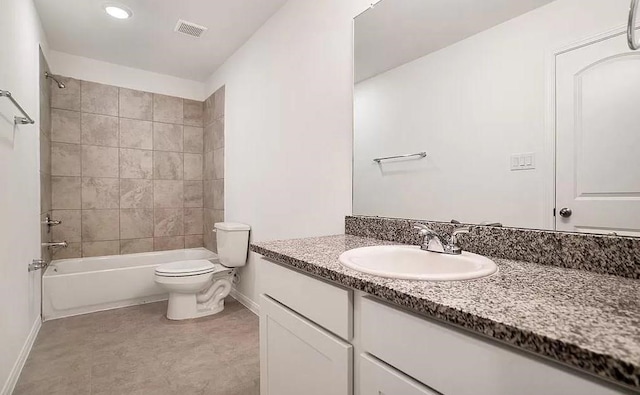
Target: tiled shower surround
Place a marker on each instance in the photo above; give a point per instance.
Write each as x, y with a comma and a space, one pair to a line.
45, 155
127, 170
213, 164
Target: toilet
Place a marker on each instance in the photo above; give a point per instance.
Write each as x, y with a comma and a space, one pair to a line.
197, 288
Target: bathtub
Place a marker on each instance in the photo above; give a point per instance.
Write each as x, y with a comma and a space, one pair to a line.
85, 285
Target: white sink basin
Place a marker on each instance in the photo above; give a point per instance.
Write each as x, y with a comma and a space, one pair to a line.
412, 263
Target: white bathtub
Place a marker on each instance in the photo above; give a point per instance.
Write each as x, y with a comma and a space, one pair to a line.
84, 285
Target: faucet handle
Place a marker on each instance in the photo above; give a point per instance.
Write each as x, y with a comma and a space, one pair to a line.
457, 231
424, 229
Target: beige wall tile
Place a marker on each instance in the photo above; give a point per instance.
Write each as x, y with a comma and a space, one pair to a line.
219, 99
136, 193
100, 193
99, 130
167, 137
218, 133
193, 166
207, 194
218, 194
65, 126
208, 138
98, 225
65, 193
99, 161
218, 216
193, 113
168, 194
193, 221
100, 248
45, 193
136, 134
136, 223
70, 228
167, 109
135, 163
168, 222
73, 250
99, 98
167, 165
168, 243
207, 166
218, 164
67, 98
193, 241
193, 140
135, 246
45, 154
136, 104
208, 110
65, 159
209, 238
193, 194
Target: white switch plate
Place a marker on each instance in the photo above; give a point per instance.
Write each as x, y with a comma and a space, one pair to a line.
526, 161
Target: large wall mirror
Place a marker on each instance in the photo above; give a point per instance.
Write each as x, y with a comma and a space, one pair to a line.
524, 113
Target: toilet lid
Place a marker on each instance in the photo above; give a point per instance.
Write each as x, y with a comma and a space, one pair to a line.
186, 268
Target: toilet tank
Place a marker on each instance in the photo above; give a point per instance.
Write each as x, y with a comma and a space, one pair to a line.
233, 243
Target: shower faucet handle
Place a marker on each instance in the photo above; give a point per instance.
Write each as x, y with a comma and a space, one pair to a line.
50, 222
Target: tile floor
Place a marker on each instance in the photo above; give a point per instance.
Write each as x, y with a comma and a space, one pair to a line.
136, 350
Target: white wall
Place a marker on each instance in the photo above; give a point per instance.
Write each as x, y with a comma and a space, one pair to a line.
20, 34
470, 106
87, 69
288, 125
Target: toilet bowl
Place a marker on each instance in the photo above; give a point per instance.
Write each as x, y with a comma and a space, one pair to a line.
197, 288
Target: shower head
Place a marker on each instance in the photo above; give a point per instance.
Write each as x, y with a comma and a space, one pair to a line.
60, 84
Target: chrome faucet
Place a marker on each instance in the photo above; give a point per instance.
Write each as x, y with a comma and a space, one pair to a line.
62, 244
433, 242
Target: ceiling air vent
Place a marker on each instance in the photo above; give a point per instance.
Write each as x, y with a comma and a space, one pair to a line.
189, 28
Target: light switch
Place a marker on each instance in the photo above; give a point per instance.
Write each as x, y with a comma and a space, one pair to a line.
526, 161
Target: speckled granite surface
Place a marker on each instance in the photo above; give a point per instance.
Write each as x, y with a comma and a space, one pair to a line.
615, 255
586, 320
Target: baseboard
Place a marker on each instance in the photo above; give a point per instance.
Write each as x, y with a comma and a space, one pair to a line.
12, 380
245, 301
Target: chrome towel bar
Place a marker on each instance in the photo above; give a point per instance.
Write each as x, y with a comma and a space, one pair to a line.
26, 119
631, 27
419, 154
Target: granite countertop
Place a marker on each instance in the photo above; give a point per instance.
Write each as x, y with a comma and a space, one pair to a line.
583, 319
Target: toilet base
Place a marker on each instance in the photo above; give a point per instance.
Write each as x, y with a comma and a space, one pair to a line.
185, 307
189, 305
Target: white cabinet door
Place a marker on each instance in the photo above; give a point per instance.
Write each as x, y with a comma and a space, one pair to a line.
598, 138
298, 357
376, 378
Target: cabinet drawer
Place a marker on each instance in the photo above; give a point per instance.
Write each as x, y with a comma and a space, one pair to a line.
298, 357
453, 361
377, 378
325, 304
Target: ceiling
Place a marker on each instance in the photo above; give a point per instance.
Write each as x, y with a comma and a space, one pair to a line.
147, 40
395, 32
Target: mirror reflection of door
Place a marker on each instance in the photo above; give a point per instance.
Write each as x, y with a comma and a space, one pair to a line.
598, 139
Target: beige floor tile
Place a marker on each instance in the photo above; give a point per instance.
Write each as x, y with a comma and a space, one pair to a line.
136, 350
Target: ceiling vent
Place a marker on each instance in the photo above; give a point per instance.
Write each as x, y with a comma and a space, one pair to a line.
190, 28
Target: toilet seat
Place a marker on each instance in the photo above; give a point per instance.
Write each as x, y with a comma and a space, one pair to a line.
188, 268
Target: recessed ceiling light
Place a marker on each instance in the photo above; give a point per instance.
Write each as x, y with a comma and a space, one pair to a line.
118, 11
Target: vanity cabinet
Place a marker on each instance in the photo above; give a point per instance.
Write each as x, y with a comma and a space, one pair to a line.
321, 338
377, 378
299, 357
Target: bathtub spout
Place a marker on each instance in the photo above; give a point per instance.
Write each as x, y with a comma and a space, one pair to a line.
62, 244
